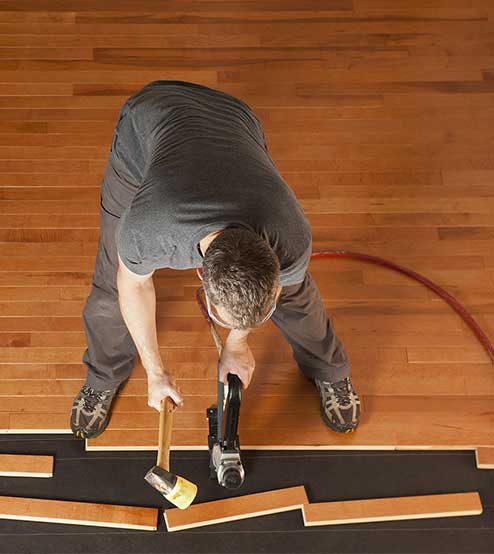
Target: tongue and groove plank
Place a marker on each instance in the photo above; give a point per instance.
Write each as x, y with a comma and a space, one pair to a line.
391, 380
4, 422
121, 8
392, 509
32, 342
23, 465
78, 513
385, 437
324, 513
387, 422
484, 458
233, 509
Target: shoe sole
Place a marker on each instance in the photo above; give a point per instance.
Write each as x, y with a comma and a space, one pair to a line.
81, 435
332, 426
328, 422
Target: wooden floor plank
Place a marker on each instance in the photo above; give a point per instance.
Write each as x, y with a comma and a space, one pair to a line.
392, 509
24, 465
78, 513
387, 422
236, 508
484, 458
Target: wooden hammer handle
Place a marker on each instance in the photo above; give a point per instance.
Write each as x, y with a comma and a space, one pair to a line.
165, 433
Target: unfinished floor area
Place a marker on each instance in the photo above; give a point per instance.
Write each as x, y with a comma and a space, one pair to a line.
378, 114
117, 478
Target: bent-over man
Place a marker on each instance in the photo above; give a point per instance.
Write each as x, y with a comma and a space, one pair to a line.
189, 183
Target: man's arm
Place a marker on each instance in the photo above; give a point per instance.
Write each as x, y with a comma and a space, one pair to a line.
137, 300
237, 357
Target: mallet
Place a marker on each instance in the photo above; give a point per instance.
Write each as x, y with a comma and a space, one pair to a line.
174, 488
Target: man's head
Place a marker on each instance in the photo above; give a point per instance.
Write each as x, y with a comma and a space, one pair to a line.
241, 277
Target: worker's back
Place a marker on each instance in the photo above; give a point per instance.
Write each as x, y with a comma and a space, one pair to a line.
193, 160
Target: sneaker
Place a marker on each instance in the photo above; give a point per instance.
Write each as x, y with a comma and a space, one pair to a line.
91, 412
340, 405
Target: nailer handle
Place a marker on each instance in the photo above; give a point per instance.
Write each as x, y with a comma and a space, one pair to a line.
165, 432
229, 425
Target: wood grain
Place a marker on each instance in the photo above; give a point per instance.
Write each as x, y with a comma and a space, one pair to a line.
392, 509
379, 116
78, 513
236, 508
24, 465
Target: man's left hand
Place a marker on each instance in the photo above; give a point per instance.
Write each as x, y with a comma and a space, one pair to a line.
236, 357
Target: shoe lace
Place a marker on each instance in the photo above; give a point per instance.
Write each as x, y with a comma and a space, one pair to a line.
92, 398
342, 390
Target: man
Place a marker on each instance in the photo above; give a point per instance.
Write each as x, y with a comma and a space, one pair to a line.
189, 183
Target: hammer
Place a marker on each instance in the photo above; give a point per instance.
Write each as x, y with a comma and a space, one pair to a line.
174, 488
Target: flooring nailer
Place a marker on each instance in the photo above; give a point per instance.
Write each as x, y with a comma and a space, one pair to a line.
225, 463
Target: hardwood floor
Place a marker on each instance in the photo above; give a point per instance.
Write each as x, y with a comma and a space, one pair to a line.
379, 115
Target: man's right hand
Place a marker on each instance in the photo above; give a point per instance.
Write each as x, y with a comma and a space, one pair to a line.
162, 384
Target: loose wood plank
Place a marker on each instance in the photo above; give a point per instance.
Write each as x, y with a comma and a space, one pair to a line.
484, 458
236, 508
23, 465
78, 513
392, 509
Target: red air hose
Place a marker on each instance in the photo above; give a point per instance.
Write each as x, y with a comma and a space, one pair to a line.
385, 263
428, 283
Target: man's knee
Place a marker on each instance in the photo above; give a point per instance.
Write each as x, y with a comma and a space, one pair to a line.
100, 303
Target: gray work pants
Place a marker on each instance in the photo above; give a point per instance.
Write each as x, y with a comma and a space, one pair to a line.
110, 355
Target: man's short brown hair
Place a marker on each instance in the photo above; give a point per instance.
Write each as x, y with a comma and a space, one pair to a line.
241, 273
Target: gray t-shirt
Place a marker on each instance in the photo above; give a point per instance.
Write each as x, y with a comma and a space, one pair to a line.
197, 162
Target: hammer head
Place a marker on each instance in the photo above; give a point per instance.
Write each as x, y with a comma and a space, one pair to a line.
174, 488
160, 479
